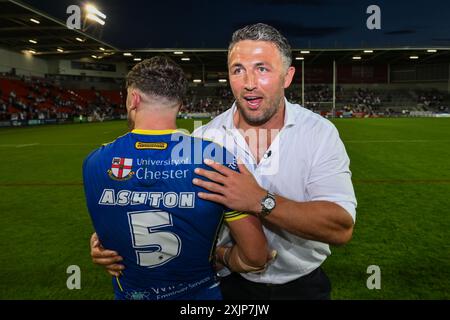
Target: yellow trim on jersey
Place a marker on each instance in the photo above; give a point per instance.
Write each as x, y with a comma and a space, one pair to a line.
154, 132
118, 283
170, 131
234, 215
147, 132
157, 132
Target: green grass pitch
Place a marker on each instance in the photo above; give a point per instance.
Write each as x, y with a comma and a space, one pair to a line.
401, 174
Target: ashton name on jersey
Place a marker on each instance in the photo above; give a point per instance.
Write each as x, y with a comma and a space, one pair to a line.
154, 199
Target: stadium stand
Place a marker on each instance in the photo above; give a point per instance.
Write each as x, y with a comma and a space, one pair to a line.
31, 98
81, 79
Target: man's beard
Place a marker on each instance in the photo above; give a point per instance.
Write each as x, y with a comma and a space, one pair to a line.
266, 115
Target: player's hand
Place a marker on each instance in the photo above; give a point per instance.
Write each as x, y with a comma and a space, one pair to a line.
105, 258
236, 190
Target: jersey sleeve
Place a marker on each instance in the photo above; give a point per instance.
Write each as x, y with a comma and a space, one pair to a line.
230, 216
230, 161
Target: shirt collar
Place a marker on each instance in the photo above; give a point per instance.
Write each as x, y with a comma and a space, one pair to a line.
153, 132
291, 114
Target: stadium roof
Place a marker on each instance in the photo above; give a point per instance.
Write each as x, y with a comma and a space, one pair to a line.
25, 28
50, 38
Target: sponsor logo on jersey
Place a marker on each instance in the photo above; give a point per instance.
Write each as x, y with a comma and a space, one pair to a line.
233, 165
165, 162
150, 145
121, 169
144, 173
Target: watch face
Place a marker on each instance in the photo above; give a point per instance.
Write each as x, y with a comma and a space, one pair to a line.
269, 203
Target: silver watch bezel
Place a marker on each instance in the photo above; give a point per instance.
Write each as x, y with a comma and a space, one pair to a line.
265, 210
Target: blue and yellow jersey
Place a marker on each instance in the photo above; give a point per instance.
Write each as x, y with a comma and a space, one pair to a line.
143, 204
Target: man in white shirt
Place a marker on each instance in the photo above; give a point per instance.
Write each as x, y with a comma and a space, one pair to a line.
296, 176
298, 180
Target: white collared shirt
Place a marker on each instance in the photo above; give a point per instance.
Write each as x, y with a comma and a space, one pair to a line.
307, 161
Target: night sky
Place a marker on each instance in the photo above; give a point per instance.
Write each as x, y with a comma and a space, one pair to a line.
306, 23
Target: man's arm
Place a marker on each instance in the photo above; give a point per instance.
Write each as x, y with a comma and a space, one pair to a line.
249, 253
250, 250
105, 258
323, 221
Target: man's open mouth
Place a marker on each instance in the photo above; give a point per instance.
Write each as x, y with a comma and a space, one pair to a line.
253, 101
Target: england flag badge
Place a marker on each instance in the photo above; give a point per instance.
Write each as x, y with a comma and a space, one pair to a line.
121, 169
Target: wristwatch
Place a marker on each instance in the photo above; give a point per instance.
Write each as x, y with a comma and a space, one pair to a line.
268, 203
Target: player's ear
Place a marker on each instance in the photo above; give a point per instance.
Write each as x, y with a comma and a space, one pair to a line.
135, 99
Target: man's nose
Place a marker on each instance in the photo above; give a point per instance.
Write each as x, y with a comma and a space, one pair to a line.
250, 82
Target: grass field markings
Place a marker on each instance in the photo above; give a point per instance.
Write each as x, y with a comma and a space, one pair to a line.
392, 141
22, 145
356, 181
401, 181
50, 145
27, 145
42, 184
72, 144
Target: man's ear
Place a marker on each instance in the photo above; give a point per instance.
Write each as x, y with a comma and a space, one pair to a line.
289, 76
135, 99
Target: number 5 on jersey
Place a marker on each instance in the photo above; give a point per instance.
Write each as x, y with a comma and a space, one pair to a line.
153, 247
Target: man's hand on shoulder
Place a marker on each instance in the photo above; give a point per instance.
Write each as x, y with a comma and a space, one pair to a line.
236, 190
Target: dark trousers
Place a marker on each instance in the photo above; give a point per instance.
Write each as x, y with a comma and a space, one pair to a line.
313, 286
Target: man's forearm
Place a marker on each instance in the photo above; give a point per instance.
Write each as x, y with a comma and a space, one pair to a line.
322, 221
233, 259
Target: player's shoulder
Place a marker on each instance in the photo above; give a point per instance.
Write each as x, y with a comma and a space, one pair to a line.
210, 144
211, 149
105, 149
119, 140
215, 127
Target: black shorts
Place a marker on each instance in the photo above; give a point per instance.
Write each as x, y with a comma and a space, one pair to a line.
313, 286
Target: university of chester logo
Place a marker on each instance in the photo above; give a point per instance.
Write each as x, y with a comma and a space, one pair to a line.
121, 169
233, 165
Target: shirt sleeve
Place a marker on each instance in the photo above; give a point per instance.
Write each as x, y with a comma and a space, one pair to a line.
330, 177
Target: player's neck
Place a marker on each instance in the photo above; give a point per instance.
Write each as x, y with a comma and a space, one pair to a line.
155, 119
155, 124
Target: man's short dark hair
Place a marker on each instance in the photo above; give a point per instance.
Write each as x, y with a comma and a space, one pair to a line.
264, 32
158, 76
